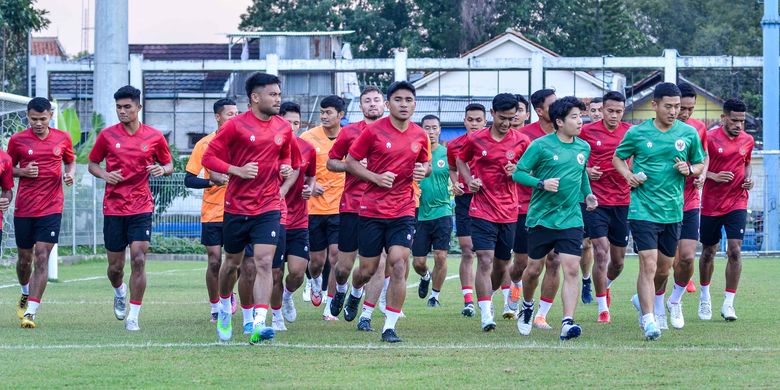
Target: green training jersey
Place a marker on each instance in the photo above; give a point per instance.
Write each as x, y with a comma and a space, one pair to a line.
435, 199
660, 198
546, 158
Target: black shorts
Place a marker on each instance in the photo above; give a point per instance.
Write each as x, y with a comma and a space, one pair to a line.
734, 223
542, 240
651, 235
435, 233
211, 233
521, 235
378, 234
348, 232
119, 231
238, 231
29, 230
278, 261
607, 221
297, 243
492, 236
462, 217
323, 231
690, 225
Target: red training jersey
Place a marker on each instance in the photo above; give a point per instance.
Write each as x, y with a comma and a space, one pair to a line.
297, 209
453, 151
6, 177
245, 139
130, 154
691, 193
611, 189
532, 131
732, 155
42, 195
353, 187
391, 150
496, 201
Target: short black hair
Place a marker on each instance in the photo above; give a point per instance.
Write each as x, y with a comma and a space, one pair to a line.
538, 97
430, 117
334, 102
734, 105
522, 100
476, 107
259, 79
686, 90
665, 89
289, 107
399, 85
615, 96
596, 100
504, 102
369, 89
39, 104
128, 92
562, 107
221, 103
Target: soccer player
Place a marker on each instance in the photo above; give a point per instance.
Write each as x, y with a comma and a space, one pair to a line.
541, 101
473, 120
554, 165
607, 225
372, 105
324, 204
132, 151
689, 232
493, 153
595, 109
665, 152
434, 219
37, 157
212, 209
251, 148
398, 150
724, 204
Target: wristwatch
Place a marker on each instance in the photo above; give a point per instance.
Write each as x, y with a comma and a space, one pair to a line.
540, 185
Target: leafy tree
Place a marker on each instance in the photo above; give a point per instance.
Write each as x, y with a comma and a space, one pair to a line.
17, 19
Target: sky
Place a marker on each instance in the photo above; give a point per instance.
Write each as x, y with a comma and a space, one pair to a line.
150, 21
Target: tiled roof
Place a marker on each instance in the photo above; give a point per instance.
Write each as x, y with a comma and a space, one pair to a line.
42, 46
156, 85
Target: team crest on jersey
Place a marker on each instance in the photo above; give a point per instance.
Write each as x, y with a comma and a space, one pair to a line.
278, 139
510, 154
440, 163
30, 152
649, 144
57, 151
144, 147
742, 151
415, 148
581, 159
679, 145
118, 145
388, 145
484, 153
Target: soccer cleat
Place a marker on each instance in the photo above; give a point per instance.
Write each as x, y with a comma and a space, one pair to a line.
28, 321
336, 303
224, 326
468, 310
277, 324
513, 304
433, 302
120, 307
316, 293
676, 314
249, 328
21, 308
587, 291
652, 332
214, 318
541, 323
132, 325
509, 313
705, 310
351, 308
514, 293
365, 325
288, 309
635, 302
609, 298
326, 317
660, 320
728, 313
422, 289
261, 333
604, 317
307, 291
691, 287
570, 330
389, 336
488, 326
524, 320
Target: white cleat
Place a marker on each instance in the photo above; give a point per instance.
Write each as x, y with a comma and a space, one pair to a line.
509, 313
525, 321
705, 310
278, 325
728, 313
132, 325
660, 320
288, 309
676, 314
307, 291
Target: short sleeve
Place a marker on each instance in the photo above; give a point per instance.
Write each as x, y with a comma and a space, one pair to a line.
99, 150
362, 145
195, 163
162, 154
626, 149
68, 155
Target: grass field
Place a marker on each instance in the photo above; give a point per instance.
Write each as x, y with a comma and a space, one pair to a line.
80, 343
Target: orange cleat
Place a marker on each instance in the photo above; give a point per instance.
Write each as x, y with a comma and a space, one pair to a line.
541, 323
515, 293
691, 287
604, 317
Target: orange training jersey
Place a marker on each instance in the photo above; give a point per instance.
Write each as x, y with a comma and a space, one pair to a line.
332, 182
213, 206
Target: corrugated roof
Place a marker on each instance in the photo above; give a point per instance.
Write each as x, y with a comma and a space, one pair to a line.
156, 85
193, 51
449, 109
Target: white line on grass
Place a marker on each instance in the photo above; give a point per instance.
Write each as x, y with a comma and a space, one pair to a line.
570, 346
89, 278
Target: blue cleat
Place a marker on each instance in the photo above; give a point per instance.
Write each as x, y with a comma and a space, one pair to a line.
570, 330
260, 334
225, 326
248, 328
652, 332
587, 291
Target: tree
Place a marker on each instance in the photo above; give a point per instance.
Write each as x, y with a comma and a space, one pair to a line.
17, 19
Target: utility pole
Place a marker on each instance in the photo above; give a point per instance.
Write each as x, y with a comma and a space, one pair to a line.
111, 55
